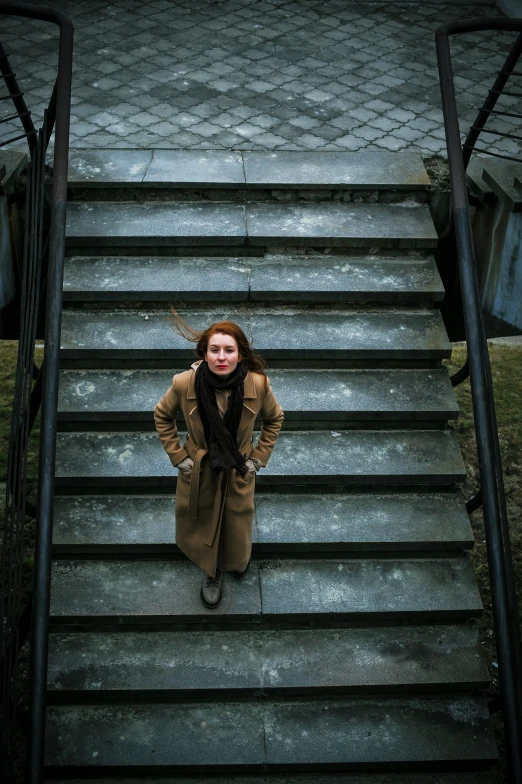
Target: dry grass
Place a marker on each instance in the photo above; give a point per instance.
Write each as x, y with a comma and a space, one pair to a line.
8, 359
506, 371
8, 356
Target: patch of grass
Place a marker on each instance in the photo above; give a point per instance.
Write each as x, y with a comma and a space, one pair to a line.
8, 359
506, 373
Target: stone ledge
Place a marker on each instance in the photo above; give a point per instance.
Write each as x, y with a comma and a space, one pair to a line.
247, 736
373, 170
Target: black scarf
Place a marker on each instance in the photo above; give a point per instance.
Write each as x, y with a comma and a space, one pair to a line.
221, 432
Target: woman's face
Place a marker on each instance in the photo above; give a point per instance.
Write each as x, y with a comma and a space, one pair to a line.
222, 354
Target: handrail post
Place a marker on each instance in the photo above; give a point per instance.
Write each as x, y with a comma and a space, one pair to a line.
478, 364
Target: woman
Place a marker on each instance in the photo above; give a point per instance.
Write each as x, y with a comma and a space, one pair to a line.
220, 397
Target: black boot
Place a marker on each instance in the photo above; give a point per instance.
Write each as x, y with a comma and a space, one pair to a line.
211, 590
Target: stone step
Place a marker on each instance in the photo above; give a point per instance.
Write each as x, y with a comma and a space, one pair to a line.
504, 180
203, 664
253, 736
336, 396
490, 179
282, 334
279, 278
189, 169
110, 592
346, 457
310, 524
476, 183
326, 224
476, 777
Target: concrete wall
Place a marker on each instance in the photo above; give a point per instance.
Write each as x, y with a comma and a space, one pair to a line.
7, 284
13, 162
498, 247
511, 7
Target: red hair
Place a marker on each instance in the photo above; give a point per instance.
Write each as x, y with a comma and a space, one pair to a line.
254, 362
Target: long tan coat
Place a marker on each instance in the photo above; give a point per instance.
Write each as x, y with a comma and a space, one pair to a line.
214, 511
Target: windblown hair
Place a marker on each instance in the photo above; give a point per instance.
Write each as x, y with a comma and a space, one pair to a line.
201, 338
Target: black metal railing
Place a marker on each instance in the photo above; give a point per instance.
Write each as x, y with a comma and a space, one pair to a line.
13, 598
491, 493
35, 390
488, 112
15, 95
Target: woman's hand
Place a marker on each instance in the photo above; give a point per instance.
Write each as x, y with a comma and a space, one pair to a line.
253, 465
185, 466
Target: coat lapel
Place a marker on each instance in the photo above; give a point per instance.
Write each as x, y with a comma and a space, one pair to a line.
249, 408
196, 425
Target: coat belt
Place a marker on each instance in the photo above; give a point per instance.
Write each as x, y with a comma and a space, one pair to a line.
197, 456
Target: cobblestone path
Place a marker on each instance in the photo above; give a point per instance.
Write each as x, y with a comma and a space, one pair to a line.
261, 75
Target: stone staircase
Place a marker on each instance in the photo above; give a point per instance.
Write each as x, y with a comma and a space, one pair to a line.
349, 651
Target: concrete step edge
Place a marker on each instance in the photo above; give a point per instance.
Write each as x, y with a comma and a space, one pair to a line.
428, 733
310, 523
245, 170
203, 665
108, 592
113, 224
314, 279
351, 394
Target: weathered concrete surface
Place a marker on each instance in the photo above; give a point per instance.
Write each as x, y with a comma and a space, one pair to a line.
358, 334
8, 286
154, 223
112, 168
476, 777
306, 523
14, 163
497, 232
183, 735
120, 520
203, 168
216, 223
366, 393
104, 591
369, 279
312, 394
341, 660
504, 180
341, 225
366, 170
171, 168
138, 333
279, 278
116, 278
361, 521
145, 591
440, 588
230, 735
316, 457
370, 733
283, 334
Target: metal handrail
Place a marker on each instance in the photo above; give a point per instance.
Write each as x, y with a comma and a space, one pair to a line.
59, 113
505, 613
17, 98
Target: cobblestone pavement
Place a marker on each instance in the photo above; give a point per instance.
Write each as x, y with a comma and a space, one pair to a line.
257, 74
